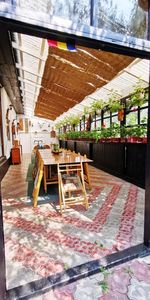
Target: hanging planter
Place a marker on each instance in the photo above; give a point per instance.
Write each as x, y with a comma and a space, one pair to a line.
121, 114
114, 104
97, 107
138, 97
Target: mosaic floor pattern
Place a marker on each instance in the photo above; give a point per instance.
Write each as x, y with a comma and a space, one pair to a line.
40, 242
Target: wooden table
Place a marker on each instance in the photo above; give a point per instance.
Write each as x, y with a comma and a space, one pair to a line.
65, 157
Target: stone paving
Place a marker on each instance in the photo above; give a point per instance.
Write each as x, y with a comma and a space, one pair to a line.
40, 242
129, 281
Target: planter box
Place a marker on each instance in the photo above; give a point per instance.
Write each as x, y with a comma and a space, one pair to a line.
109, 140
104, 140
134, 139
115, 140
123, 140
144, 140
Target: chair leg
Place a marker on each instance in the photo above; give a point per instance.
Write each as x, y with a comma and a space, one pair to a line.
86, 203
35, 198
84, 191
44, 177
60, 196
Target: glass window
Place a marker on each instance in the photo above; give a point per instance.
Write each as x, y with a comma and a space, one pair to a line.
75, 10
118, 19
106, 122
106, 119
82, 125
115, 119
131, 118
125, 17
98, 123
93, 125
143, 116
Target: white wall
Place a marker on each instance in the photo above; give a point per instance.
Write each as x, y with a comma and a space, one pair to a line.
38, 131
12, 115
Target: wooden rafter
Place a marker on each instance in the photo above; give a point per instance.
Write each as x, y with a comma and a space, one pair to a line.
69, 77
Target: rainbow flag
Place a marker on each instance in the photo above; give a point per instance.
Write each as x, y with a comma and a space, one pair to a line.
63, 46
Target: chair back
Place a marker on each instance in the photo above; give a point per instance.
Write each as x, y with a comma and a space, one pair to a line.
71, 185
46, 147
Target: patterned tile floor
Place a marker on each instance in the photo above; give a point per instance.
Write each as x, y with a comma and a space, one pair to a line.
40, 242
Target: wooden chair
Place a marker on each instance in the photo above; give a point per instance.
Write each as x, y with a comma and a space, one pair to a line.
46, 147
86, 173
36, 163
37, 182
71, 185
35, 149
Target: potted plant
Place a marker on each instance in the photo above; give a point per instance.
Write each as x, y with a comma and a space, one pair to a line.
73, 120
97, 106
114, 104
136, 133
138, 97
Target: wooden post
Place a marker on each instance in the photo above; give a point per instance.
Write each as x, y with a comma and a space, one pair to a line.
147, 177
2, 255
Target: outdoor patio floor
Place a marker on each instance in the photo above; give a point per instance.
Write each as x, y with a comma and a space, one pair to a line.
40, 242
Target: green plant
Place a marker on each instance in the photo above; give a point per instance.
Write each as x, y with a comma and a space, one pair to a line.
132, 119
86, 111
140, 131
62, 136
66, 267
104, 285
97, 106
73, 120
134, 131
139, 96
104, 271
99, 244
144, 120
114, 103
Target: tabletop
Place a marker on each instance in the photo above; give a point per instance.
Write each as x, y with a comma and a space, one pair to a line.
49, 158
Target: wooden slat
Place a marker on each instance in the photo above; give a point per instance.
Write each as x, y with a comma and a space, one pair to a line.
69, 77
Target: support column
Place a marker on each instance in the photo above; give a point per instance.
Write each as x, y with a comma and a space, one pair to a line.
2, 249
147, 175
2, 256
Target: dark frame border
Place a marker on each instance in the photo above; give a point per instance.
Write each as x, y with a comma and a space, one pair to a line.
34, 30
43, 285
116, 258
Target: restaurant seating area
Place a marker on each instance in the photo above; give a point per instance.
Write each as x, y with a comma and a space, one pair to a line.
40, 241
74, 150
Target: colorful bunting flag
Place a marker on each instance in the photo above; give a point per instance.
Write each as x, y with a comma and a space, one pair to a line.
63, 46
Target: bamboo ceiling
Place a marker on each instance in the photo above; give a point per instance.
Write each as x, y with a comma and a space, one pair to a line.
70, 76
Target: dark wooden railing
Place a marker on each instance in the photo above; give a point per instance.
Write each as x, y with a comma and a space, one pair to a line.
125, 160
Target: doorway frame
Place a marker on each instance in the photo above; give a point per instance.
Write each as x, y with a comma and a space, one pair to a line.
45, 284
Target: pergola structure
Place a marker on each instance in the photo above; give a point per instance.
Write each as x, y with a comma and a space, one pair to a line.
87, 77
47, 75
